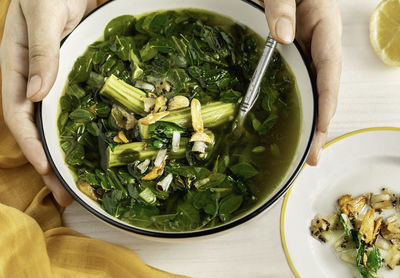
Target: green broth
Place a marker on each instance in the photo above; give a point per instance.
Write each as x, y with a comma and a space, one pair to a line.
199, 55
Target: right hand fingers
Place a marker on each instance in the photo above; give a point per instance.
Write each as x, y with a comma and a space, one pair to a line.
281, 17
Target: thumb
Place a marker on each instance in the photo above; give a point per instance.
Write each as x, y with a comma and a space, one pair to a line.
281, 17
44, 21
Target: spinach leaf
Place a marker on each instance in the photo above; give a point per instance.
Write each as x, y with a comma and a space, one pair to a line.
228, 205
102, 109
188, 171
213, 180
68, 103
161, 133
244, 170
231, 96
62, 120
95, 81
187, 215
76, 91
162, 44
153, 23
82, 68
81, 115
179, 79
75, 157
268, 124
207, 201
109, 203
165, 129
122, 47
91, 178
93, 128
148, 52
270, 96
212, 79
241, 188
120, 26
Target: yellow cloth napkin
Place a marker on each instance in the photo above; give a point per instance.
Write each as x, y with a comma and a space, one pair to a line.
33, 242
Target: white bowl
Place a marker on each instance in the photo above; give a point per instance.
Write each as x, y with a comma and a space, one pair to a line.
91, 28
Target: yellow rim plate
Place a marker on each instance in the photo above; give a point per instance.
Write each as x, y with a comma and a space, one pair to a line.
285, 201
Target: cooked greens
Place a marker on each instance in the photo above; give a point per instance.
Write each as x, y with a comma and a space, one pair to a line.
145, 113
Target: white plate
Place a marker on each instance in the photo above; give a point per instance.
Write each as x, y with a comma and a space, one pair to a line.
359, 162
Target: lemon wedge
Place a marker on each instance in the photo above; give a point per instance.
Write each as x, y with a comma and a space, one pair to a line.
384, 31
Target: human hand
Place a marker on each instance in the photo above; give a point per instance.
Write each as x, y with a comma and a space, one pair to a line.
29, 63
316, 24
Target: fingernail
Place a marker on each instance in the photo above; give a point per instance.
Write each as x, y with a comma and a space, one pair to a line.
34, 85
284, 29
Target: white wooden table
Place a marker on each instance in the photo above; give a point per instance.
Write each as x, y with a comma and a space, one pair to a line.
369, 96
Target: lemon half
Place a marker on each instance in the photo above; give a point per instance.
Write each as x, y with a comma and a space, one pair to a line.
384, 31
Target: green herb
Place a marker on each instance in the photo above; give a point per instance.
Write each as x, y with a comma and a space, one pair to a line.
374, 261
344, 220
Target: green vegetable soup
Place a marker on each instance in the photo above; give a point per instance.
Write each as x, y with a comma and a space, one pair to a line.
145, 120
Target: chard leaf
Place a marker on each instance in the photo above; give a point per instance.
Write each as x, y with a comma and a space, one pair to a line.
244, 170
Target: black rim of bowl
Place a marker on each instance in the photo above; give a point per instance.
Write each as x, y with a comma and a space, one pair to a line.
190, 234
